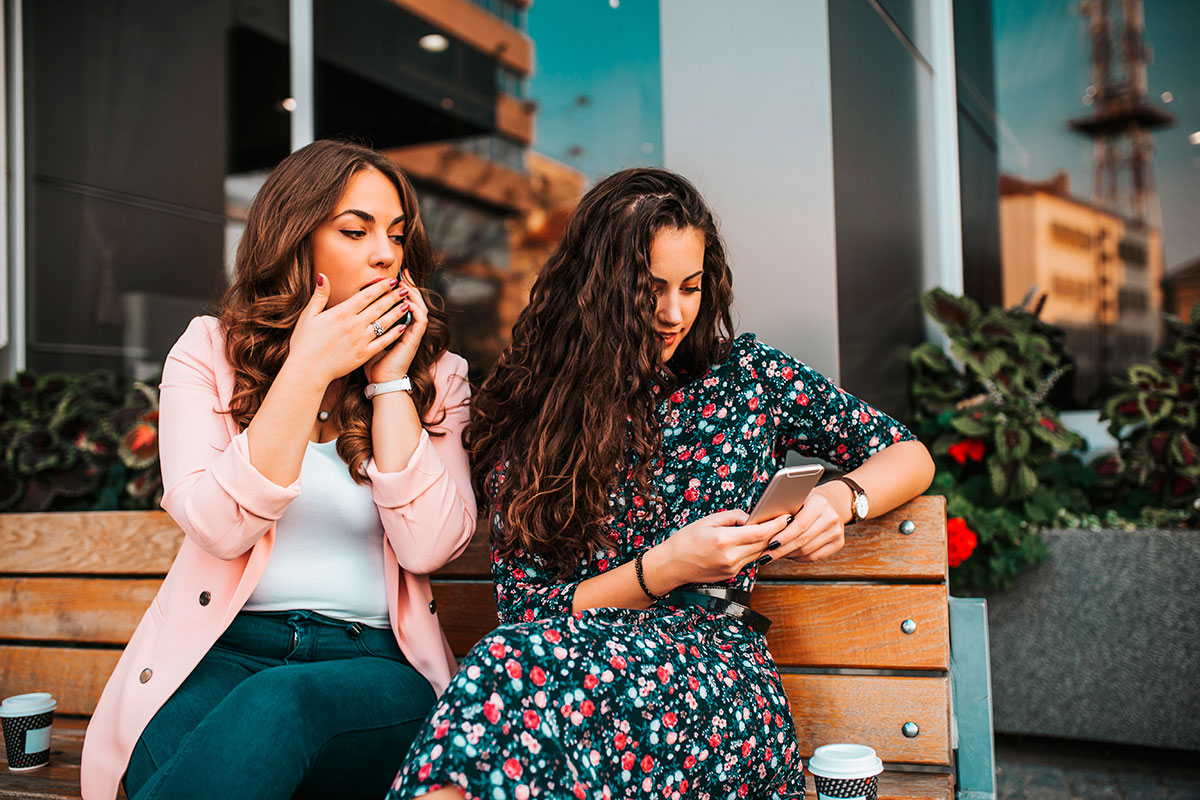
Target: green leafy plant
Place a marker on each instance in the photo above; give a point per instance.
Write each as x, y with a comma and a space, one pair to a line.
1154, 417
1002, 451
78, 442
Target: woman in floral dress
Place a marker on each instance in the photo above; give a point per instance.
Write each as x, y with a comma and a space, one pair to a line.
619, 441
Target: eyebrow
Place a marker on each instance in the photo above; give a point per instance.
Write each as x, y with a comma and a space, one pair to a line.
685, 280
365, 217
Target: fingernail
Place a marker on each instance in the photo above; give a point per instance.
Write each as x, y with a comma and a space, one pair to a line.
320, 279
790, 518
764, 560
774, 545
392, 282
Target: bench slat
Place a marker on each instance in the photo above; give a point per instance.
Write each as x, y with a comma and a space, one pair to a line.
145, 542
810, 624
75, 676
871, 709
101, 610
60, 781
92, 543
875, 550
903, 786
816, 618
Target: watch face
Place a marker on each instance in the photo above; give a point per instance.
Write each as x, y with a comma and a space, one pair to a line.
860, 506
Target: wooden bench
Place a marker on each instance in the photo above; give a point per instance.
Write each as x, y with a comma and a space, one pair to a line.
73, 587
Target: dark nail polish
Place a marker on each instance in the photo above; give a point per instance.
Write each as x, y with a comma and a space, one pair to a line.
774, 545
764, 560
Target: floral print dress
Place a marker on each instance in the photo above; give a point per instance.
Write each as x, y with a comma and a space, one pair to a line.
664, 702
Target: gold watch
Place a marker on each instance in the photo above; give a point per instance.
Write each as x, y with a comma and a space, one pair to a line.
859, 505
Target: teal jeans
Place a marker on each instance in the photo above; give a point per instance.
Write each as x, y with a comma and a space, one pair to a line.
286, 704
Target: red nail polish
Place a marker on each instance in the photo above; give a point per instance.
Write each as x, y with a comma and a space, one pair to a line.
393, 282
320, 279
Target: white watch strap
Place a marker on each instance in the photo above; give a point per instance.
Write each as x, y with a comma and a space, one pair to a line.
399, 385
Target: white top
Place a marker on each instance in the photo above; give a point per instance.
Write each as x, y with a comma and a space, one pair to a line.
328, 554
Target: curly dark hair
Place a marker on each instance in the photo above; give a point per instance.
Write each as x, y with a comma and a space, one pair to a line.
274, 280
568, 410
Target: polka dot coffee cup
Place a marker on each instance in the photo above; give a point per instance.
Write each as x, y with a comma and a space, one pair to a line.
26, 719
845, 772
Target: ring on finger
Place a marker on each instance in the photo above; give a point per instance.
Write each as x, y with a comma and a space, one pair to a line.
375, 326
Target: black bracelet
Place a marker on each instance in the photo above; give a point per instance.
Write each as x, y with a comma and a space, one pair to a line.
637, 566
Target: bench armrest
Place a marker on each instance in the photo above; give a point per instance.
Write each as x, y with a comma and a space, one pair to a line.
971, 699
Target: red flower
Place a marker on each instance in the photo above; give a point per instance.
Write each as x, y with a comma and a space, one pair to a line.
669, 719
531, 718
1047, 424
960, 540
628, 760
142, 441
691, 495
970, 449
647, 763
512, 768
590, 681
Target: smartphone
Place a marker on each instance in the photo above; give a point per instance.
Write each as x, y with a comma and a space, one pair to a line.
786, 493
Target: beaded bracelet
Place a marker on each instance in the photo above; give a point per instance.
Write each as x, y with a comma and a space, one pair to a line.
637, 566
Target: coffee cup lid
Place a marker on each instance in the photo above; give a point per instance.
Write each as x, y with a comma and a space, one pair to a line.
25, 705
845, 761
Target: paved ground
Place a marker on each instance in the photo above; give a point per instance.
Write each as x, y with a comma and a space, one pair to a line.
1031, 768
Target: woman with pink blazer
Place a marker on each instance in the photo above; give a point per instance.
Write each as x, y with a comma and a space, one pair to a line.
311, 450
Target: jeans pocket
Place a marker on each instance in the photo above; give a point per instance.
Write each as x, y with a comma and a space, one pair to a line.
378, 645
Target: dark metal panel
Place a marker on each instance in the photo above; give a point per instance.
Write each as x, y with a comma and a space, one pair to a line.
129, 96
91, 252
877, 202
978, 158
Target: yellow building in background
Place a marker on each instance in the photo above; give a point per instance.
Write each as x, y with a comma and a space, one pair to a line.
1100, 273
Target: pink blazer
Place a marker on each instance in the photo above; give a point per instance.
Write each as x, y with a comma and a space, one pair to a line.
227, 510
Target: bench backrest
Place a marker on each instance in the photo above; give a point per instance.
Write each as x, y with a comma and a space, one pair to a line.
74, 586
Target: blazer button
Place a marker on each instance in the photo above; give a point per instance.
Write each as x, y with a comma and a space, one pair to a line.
145, 676
433, 606
204, 598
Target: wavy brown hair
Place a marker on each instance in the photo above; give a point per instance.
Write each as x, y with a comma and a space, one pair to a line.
274, 280
568, 410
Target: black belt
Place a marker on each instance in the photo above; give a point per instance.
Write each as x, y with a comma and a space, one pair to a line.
723, 600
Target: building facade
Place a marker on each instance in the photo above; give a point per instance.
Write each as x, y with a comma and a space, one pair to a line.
1101, 275
138, 132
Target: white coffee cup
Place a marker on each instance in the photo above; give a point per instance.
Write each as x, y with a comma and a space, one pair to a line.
27, 719
845, 772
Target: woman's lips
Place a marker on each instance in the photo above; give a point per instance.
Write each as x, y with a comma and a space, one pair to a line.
668, 338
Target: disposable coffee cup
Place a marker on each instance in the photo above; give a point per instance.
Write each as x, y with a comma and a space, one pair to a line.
26, 719
846, 772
